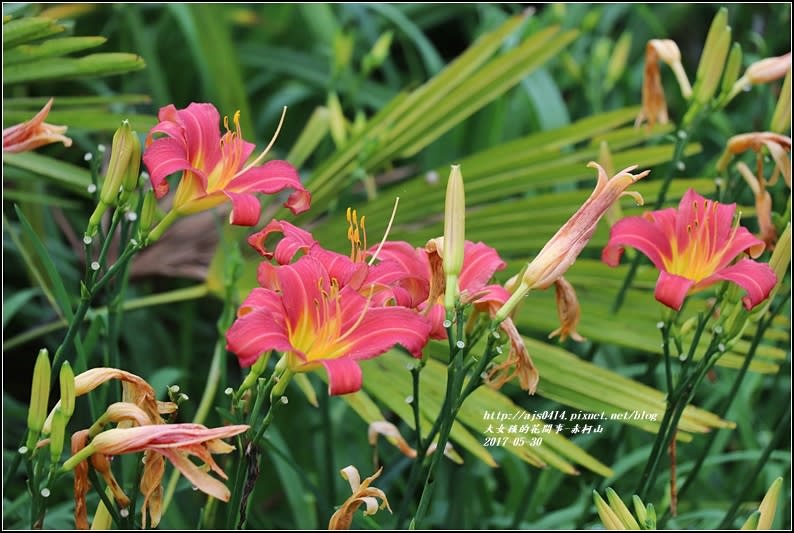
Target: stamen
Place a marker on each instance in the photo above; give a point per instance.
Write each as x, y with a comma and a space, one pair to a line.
269, 146
386, 233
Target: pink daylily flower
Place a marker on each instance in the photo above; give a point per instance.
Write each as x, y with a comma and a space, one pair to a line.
312, 311
34, 133
214, 168
692, 247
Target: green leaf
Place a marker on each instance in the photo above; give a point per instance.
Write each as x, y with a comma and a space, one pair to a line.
72, 177
209, 35
15, 302
106, 64
50, 48
27, 29
90, 119
55, 281
36, 103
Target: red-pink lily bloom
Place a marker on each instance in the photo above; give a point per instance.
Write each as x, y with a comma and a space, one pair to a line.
34, 133
316, 319
692, 247
214, 168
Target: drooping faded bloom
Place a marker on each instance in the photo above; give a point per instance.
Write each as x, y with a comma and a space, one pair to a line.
654, 104
777, 145
176, 442
34, 133
564, 247
362, 494
692, 247
214, 168
313, 311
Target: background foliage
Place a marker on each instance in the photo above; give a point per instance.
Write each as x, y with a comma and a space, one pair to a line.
522, 117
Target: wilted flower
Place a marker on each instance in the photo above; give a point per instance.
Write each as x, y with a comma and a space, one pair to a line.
362, 494
34, 133
654, 105
564, 247
692, 247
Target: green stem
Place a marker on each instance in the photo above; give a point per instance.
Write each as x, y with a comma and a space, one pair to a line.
781, 431
160, 228
732, 395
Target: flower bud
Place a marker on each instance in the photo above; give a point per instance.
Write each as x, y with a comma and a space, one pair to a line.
130, 181
732, 68
621, 511
781, 119
768, 505
39, 397
378, 54
148, 211
454, 234
66, 378
712, 61
120, 154
607, 515
57, 435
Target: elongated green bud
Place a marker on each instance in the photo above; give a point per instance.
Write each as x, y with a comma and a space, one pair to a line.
120, 154
57, 434
618, 60
607, 515
768, 505
712, 61
640, 511
454, 234
148, 211
39, 396
732, 68
621, 511
66, 378
378, 54
130, 182
781, 119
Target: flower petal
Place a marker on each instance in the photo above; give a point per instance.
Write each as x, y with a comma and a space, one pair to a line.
245, 209
295, 239
671, 290
758, 279
383, 327
641, 234
272, 177
480, 262
162, 158
200, 479
202, 134
254, 333
344, 375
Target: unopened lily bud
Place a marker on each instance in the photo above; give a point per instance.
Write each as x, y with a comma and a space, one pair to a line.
39, 396
124, 141
769, 505
621, 510
606, 514
336, 120
130, 182
66, 378
617, 62
751, 524
378, 54
57, 435
712, 61
148, 210
640, 511
781, 118
454, 234
732, 68
256, 370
